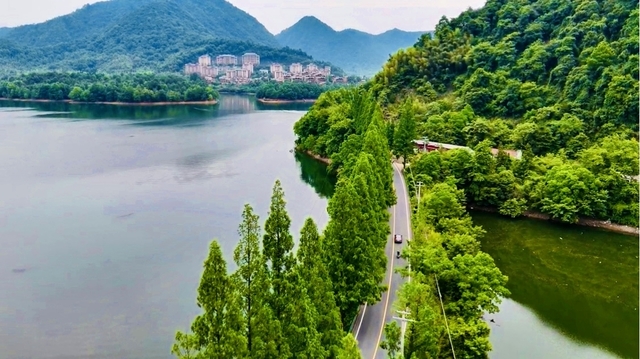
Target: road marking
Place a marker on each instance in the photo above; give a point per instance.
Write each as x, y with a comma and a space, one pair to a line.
364, 310
386, 303
408, 209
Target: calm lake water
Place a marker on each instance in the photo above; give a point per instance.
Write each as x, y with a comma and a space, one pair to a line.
110, 211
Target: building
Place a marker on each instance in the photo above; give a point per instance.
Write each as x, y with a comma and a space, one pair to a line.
327, 70
204, 60
429, 146
226, 60
275, 68
248, 67
295, 68
191, 69
250, 58
278, 76
312, 68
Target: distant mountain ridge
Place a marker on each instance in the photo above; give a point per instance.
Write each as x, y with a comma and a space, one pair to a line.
353, 50
134, 35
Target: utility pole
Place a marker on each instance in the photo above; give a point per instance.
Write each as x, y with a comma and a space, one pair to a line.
403, 327
419, 184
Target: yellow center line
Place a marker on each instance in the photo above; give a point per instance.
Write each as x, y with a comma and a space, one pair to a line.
386, 302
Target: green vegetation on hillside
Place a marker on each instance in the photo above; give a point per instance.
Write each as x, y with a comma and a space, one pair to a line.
292, 90
150, 35
354, 51
83, 87
555, 79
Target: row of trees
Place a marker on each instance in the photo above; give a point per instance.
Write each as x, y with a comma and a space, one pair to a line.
453, 283
89, 87
292, 90
281, 304
277, 304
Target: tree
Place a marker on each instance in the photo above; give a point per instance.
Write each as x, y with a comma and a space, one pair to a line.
405, 132
219, 330
314, 276
349, 349
354, 269
277, 246
253, 286
391, 342
185, 346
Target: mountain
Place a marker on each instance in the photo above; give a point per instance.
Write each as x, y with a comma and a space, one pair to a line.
354, 51
217, 18
133, 35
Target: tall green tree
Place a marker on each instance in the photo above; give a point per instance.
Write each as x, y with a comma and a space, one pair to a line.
253, 285
355, 271
277, 248
349, 349
405, 132
391, 342
314, 277
220, 329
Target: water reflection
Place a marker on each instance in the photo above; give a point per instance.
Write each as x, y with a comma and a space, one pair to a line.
580, 281
314, 173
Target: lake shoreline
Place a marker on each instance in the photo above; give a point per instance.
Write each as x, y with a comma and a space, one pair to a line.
586, 222
165, 103
274, 101
326, 161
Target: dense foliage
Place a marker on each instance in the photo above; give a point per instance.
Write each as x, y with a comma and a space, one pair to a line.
292, 90
85, 87
557, 79
127, 35
453, 283
354, 51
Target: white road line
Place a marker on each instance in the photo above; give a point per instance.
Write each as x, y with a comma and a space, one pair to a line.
364, 310
386, 304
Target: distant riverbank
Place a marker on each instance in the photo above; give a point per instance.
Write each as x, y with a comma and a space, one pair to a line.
275, 101
166, 103
587, 222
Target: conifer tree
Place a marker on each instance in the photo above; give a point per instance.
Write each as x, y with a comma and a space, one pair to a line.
314, 276
220, 329
375, 144
278, 244
253, 286
405, 132
277, 247
354, 270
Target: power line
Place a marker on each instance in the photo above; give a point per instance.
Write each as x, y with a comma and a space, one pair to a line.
445, 317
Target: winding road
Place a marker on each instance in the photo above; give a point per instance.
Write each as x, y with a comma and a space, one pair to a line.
368, 327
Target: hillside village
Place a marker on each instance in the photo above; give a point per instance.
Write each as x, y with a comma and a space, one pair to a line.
228, 69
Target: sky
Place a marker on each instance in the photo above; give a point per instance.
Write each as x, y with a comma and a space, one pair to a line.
373, 16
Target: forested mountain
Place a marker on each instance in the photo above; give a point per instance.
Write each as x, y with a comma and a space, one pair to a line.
185, 17
354, 51
127, 35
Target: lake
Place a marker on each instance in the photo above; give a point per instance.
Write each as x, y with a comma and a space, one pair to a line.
109, 211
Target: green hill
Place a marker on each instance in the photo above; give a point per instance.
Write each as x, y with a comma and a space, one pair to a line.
127, 35
354, 51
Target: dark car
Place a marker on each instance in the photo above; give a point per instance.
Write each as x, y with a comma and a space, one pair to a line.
397, 238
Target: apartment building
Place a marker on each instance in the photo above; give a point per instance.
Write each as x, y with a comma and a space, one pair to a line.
248, 67
226, 60
278, 76
295, 68
312, 68
276, 68
204, 60
250, 58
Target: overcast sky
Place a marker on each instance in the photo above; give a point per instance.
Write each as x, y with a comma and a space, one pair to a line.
374, 16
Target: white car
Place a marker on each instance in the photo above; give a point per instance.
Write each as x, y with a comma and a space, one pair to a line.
397, 238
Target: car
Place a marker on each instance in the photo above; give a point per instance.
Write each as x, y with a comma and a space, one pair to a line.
397, 238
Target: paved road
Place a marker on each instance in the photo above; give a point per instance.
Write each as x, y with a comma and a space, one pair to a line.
369, 325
